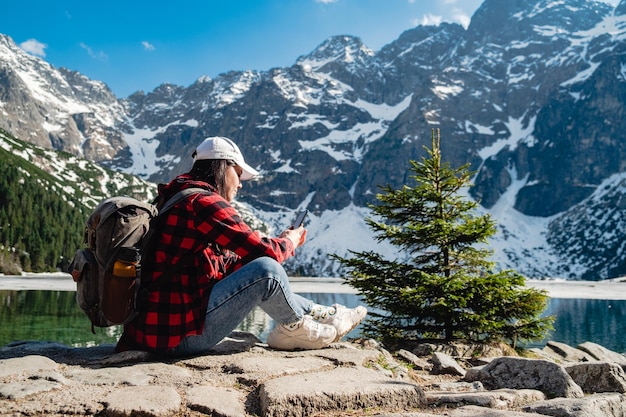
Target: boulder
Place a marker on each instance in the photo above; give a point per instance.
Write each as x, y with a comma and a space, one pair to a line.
337, 389
415, 361
598, 377
596, 405
567, 353
444, 364
497, 399
521, 373
603, 354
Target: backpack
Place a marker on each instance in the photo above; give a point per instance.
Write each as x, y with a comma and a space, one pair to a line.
108, 271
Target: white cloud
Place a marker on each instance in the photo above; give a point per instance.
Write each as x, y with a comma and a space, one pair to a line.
461, 17
100, 56
326, 1
34, 47
147, 46
429, 20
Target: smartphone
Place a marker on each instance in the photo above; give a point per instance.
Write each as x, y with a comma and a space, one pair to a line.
299, 221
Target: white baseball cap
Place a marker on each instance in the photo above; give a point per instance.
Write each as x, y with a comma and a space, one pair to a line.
219, 147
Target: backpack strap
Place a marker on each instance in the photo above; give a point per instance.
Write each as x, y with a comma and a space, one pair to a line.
175, 199
180, 196
149, 238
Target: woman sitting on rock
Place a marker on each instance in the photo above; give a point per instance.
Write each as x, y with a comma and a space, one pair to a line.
232, 270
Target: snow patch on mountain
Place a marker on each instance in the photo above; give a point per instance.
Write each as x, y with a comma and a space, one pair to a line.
382, 115
444, 91
227, 90
476, 128
143, 145
614, 26
520, 241
518, 132
346, 49
313, 90
70, 171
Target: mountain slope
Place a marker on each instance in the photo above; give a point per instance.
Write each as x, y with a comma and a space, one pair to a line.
46, 198
531, 94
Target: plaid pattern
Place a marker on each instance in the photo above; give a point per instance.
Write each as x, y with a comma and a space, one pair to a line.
209, 226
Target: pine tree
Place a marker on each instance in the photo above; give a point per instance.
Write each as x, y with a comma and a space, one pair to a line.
39, 229
444, 287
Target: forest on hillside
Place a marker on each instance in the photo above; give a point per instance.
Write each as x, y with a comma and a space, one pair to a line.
40, 230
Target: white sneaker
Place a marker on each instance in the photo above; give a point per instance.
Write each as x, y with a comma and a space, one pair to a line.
308, 334
345, 319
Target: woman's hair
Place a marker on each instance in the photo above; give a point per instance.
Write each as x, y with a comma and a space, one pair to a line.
212, 171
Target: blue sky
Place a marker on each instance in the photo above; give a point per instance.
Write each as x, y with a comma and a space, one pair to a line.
138, 45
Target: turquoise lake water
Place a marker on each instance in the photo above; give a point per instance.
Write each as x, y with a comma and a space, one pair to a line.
55, 316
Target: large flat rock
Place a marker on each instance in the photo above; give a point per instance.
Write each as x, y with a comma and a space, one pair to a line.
337, 390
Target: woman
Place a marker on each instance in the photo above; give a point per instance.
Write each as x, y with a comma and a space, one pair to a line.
231, 270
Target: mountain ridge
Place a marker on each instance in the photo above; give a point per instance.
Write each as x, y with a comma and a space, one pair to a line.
533, 102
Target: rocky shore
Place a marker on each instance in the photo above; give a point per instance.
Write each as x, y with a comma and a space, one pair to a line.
243, 377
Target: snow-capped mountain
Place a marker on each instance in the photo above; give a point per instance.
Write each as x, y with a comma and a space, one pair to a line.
531, 94
58, 108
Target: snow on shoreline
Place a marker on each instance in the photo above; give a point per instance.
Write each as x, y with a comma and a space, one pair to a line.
613, 289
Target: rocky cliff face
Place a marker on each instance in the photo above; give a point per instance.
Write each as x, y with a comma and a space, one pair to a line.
531, 94
58, 108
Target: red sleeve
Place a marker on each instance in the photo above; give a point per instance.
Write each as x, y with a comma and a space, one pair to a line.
218, 220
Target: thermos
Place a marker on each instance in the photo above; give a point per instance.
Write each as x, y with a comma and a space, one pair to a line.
120, 285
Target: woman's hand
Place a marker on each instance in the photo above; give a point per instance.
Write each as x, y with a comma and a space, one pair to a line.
297, 236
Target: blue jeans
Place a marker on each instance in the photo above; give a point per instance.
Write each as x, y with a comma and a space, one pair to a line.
262, 282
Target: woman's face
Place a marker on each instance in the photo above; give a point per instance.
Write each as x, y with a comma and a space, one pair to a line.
232, 181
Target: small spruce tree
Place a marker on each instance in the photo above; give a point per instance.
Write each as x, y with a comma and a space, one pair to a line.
445, 287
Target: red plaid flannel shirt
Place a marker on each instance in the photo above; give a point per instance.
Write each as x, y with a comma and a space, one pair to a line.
209, 226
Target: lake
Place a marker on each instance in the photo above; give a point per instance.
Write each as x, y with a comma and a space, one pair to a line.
55, 316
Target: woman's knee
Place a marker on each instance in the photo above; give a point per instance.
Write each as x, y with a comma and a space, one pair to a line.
272, 271
270, 267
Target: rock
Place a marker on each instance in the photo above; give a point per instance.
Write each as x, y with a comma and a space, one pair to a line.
455, 386
499, 399
251, 371
406, 415
417, 362
567, 353
216, 401
546, 354
338, 389
393, 367
26, 364
244, 378
603, 354
444, 364
596, 405
346, 354
477, 411
39, 374
22, 389
598, 377
462, 350
145, 401
110, 376
521, 373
